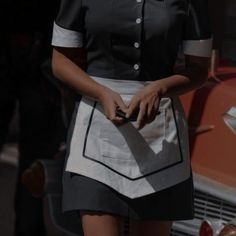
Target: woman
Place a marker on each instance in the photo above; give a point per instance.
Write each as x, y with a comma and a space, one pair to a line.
117, 167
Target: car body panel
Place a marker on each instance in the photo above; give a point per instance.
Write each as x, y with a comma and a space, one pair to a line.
213, 151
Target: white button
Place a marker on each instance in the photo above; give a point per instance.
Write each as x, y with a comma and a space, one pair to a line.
136, 66
136, 45
139, 0
138, 20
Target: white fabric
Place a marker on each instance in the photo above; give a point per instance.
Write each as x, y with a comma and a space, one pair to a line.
232, 112
201, 48
66, 38
229, 118
123, 157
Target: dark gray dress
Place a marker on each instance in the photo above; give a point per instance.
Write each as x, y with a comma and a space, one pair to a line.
131, 40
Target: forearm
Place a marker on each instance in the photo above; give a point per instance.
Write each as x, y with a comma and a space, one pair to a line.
179, 84
184, 80
68, 71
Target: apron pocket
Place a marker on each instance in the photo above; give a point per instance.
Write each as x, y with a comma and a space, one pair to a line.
124, 149
129, 143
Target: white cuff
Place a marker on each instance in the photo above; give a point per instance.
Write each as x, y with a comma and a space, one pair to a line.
201, 48
62, 37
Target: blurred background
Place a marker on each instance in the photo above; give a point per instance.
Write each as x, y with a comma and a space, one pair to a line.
223, 16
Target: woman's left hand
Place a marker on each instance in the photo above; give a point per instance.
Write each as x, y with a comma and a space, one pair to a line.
145, 103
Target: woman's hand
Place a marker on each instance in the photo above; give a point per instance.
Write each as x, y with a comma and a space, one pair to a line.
111, 101
146, 103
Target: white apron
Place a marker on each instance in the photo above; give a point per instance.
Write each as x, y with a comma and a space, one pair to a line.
134, 163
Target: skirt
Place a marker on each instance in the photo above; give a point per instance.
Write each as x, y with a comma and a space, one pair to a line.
83, 193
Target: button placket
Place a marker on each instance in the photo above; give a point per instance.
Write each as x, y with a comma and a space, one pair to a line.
138, 20
136, 66
137, 43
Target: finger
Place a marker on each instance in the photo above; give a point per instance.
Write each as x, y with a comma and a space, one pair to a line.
118, 121
111, 111
153, 107
115, 119
120, 103
141, 117
150, 110
141, 124
156, 105
152, 116
131, 109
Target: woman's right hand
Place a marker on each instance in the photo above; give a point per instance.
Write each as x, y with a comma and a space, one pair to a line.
111, 101
65, 67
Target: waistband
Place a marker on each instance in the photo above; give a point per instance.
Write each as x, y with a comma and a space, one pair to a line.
128, 88
121, 86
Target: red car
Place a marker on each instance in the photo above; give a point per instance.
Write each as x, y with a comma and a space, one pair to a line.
211, 112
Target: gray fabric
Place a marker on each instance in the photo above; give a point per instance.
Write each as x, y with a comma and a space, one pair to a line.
129, 39
83, 193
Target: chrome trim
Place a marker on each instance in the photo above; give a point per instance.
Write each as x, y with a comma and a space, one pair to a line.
214, 188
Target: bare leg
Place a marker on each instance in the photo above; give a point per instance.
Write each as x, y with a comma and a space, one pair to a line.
150, 228
100, 224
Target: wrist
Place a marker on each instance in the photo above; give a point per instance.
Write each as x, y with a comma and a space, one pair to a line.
160, 88
101, 90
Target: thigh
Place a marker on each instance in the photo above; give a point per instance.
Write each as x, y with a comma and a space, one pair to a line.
149, 228
100, 224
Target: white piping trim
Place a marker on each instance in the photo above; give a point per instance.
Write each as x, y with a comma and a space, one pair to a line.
201, 48
62, 37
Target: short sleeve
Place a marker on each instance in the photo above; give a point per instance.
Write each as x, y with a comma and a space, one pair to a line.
69, 25
197, 38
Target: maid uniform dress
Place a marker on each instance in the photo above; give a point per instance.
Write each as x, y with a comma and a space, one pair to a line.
140, 174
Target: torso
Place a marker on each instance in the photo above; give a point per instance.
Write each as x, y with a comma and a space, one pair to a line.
135, 40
